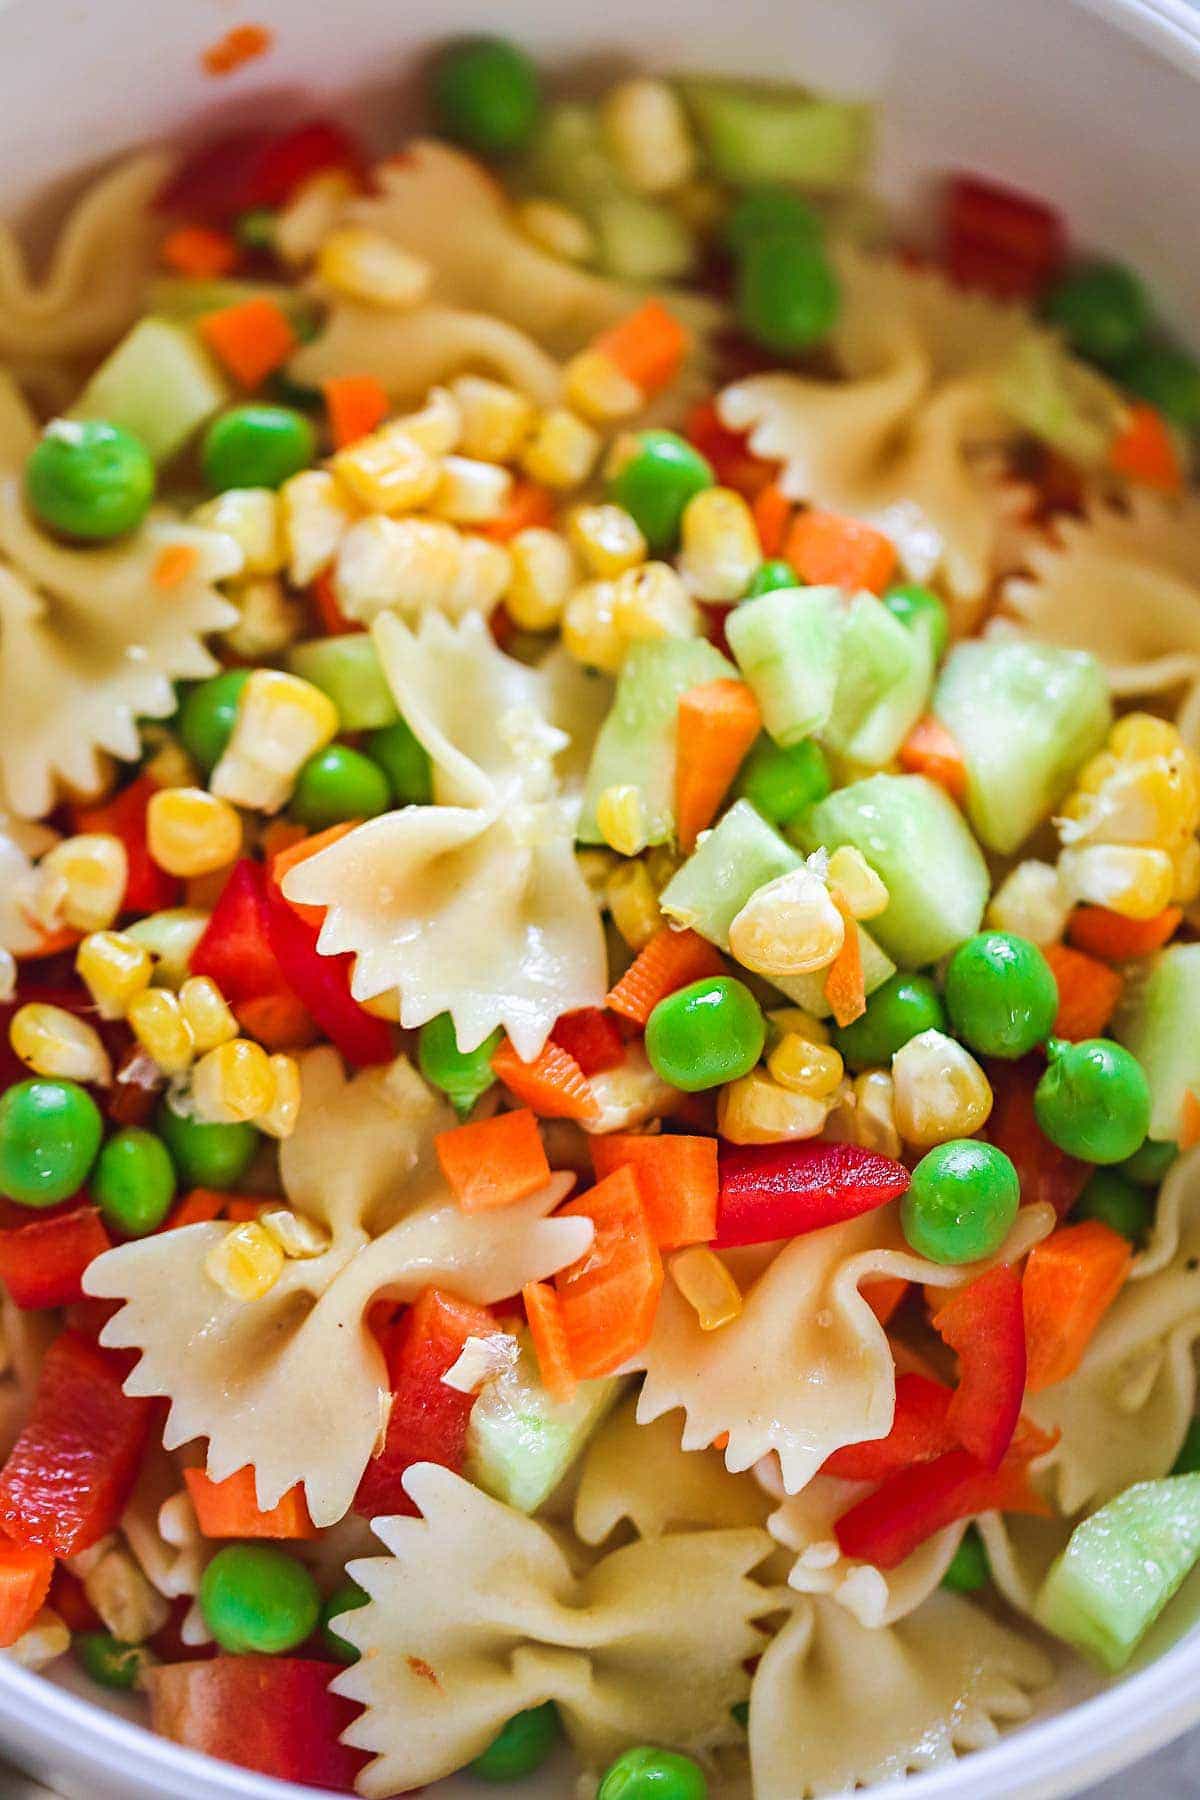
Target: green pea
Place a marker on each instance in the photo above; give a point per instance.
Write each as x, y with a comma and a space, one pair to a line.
256, 446
969, 1567
656, 483
462, 1075
706, 1034
915, 606
1093, 1101
770, 576
649, 1774
786, 294
1110, 1197
961, 1202
337, 784
211, 1156
901, 1009
1188, 1460
133, 1182
1102, 310
765, 212
108, 1661
486, 95
1001, 994
1149, 1165
255, 230
405, 762
1168, 378
89, 480
207, 717
781, 783
50, 1132
523, 1745
347, 1598
257, 1599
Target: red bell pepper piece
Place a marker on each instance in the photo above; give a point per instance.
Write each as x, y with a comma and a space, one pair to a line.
70, 1472
593, 1037
273, 1714
428, 1420
733, 463
42, 1263
985, 1325
257, 168
235, 949
322, 984
1002, 241
773, 1191
920, 1432
147, 887
70, 1601
1044, 1171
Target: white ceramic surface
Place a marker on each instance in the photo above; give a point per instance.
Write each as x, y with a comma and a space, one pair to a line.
1093, 103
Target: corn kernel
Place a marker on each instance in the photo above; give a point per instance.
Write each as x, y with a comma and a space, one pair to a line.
278, 1120
246, 1263
599, 390
310, 215
170, 937
1186, 864
706, 1285
1133, 881
789, 926
596, 865
589, 627
756, 1110
1147, 802
298, 1236
803, 1067
647, 132
1141, 734
940, 1090
233, 1083
416, 565
855, 881
1030, 902
471, 492
253, 518
562, 450
782, 1019
113, 967
557, 230
387, 471
317, 513
543, 575
385, 1006
268, 623
191, 832
366, 266
41, 1643
621, 818
8, 974
720, 551
437, 427
129, 1606
157, 1022
874, 1125
83, 880
652, 602
496, 419
631, 900
663, 863
607, 539
281, 721
207, 1012
55, 1042
170, 766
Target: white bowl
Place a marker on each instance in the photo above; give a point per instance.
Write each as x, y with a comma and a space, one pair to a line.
1091, 103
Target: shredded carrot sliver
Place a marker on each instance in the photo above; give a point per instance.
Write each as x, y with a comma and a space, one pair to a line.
772, 515
543, 1310
199, 251
930, 750
330, 617
1146, 452
1189, 1121
299, 851
252, 339
1117, 939
648, 347
356, 404
844, 987
717, 723
610, 1295
670, 961
198, 1207
230, 1509
173, 564
825, 548
1088, 992
240, 45
553, 1085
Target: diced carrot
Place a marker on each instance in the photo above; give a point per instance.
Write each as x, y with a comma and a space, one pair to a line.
543, 1310
330, 617
592, 1037
252, 339
1117, 939
930, 750
51, 943
717, 723
609, 1297
1146, 452
677, 1180
720, 1442
670, 961
772, 515
884, 1296
493, 1162
845, 989
356, 404
553, 1084
243, 1209
1071, 1279
241, 44
173, 564
826, 549
280, 835
648, 347
200, 251
528, 505
199, 1207
230, 1509
24, 1583
286, 859
1189, 1120
277, 1021
1088, 992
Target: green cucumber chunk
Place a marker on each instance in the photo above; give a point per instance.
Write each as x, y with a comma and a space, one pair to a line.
1120, 1568
636, 743
348, 669
159, 383
788, 646
569, 160
1157, 1022
520, 1442
759, 133
884, 681
1026, 716
915, 839
642, 240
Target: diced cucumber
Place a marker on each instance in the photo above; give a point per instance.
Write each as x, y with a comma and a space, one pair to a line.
520, 1442
569, 160
642, 240
916, 840
1158, 1022
884, 679
348, 669
1056, 397
636, 744
1120, 1568
159, 383
808, 991
788, 647
758, 133
1025, 716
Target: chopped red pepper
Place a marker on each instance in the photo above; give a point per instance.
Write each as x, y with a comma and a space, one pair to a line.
70, 1601
593, 1037
428, 1420
1005, 242
322, 983
147, 887
42, 1263
235, 949
773, 1191
1045, 1172
985, 1325
920, 1432
733, 464
258, 168
274, 1714
70, 1472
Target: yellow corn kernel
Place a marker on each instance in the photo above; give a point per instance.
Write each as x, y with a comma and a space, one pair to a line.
55, 1042
789, 926
804, 1067
113, 967
268, 623
652, 602
608, 540
298, 1236
557, 229
317, 512
940, 1090
366, 266
874, 1117
1130, 880
246, 1263
437, 427
191, 832
281, 721
562, 451
385, 1006
631, 900
623, 448
719, 550
387, 471
663, 862
853, 878
169, 937
253, 518
599, 390
278, 1120
496, 419
596, 865
621, 818
1141, 734
8, 974
130, 1607
1030, 902
1152, 801
83, 880
41, 1643
782, 1019
706, 1285
233, 1083
170, 766
543, 575
417, 565
648, 134
471, 492
207, 1012
1186, 864
156, 1019
589, 627
756, 1110
310, 215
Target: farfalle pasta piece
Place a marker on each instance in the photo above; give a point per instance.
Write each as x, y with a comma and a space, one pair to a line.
640, 1474
24, 1339
474, 906
294, 1383
20, 841
477, 1614
835, 1706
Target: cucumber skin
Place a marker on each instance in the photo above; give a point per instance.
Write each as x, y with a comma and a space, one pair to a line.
520, 1442
1157, 1021
348, 670
788, 646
